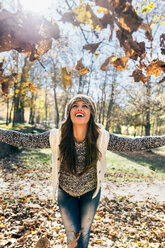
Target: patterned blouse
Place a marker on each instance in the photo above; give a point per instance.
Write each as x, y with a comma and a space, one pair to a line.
78, 185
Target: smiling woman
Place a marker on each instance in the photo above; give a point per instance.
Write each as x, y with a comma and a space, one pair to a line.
37, 6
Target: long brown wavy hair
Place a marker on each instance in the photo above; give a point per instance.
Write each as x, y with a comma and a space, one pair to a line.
67, 146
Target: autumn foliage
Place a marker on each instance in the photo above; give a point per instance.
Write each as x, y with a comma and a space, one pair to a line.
33, 35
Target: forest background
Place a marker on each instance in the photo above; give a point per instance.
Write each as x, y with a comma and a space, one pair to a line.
110, 50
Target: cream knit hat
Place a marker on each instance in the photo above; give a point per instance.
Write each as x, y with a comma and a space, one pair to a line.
84, 98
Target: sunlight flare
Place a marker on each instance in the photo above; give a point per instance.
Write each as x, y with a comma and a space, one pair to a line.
37, 6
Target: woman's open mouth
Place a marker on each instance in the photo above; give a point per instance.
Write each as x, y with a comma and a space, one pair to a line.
79, 115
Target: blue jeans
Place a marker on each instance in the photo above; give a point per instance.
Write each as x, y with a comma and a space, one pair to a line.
77, 214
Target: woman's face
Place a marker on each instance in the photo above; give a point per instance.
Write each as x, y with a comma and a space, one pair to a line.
80, 113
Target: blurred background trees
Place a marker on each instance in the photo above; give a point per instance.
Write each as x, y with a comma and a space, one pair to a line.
112, 51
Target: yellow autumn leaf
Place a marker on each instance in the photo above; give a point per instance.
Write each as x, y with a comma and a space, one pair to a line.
21, 196
66, 77
2, 225
97, 217
83, 71
139, 243
153, 25
102, 9
98, 28
61, 236
82, 15
28, 199
98, 241
33, 232
32, 87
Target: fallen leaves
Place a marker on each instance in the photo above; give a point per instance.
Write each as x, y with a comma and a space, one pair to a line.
28, 218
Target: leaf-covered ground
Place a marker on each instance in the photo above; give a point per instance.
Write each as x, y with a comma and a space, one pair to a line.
130, 214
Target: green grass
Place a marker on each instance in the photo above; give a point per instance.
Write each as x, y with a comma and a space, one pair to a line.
136, 166
143, 166
36, 157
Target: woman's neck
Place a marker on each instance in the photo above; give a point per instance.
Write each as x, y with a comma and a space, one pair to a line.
79, 132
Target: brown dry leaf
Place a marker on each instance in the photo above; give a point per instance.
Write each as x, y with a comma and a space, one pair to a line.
162, 43
92, 47
128, 19
148, 30
81, 68
69, 17
120, 63
105, 4
155, 68
105, 64
139, 76
22, 32
43, 243
108, 19
43, 46
66, 77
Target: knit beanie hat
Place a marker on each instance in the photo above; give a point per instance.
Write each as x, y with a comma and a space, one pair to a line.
80, 97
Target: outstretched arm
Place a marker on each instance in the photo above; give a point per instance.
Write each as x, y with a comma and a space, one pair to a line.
16, 138
122, 144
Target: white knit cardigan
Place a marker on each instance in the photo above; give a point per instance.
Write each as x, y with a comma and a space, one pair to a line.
102, 144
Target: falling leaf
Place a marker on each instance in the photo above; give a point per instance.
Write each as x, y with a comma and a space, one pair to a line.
105, 64
22, 32
84, 14
81, 68
148, 30
66, 77
119, 62
92, 47
129, 20
139, 76
162, 43
104, 10
155, 68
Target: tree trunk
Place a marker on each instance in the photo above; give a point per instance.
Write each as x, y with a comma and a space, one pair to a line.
63, 113
7, 111
80, 85
148, 103
110, 105
18, 108
46, 106
32, 110
57, 119
10, 113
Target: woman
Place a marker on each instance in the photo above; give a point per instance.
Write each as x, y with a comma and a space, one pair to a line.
78, 162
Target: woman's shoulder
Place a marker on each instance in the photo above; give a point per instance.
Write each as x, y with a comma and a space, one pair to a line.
54, 131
